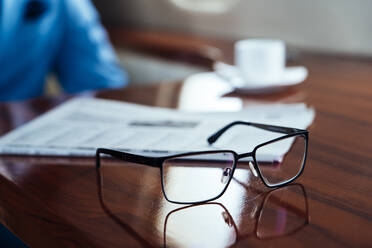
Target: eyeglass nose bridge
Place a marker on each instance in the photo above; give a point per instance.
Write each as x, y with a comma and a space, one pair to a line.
251, 166
245, 155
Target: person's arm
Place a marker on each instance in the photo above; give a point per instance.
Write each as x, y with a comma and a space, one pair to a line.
86, 59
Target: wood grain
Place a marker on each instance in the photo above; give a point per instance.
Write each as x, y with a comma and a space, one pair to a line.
55, 202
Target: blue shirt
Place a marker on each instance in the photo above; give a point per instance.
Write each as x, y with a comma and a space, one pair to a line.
61, 36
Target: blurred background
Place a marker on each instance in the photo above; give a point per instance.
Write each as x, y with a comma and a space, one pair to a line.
339, 27
332, 26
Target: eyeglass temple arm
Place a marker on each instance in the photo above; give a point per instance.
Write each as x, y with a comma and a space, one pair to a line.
128, 157
285, 130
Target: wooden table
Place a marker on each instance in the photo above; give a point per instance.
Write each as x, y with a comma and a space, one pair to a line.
54, 202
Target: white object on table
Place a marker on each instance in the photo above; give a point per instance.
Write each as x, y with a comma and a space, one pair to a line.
260, 60
231, 75
260, 67
79, 126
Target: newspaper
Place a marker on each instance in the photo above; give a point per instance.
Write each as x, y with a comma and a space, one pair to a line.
81, 125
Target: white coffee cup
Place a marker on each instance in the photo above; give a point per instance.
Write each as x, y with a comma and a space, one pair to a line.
260, 60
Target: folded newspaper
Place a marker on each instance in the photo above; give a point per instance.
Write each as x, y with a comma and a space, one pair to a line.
79, 126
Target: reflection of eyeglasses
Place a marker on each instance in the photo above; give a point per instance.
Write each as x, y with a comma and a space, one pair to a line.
282, 212
198, 177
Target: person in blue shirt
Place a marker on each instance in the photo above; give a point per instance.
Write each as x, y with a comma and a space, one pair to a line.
64, 37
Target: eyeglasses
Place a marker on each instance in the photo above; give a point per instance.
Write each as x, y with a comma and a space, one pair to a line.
199, 177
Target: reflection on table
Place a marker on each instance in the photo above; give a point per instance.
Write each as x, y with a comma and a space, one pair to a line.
277, 213
246, 211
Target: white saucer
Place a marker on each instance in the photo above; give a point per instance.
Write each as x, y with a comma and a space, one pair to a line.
290, 76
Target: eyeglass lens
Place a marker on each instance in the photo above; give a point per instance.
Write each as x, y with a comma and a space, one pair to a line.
198, 177
277, 168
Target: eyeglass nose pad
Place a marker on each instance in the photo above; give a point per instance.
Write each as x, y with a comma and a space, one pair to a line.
226, 175
254, 172
226, 217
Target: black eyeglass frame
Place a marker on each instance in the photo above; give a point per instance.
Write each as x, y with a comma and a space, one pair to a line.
158, 161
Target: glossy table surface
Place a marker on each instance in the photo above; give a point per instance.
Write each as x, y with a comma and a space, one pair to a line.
57, 202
